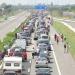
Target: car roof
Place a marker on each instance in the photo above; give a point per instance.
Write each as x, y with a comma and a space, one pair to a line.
44, 35
13, 58
42, 39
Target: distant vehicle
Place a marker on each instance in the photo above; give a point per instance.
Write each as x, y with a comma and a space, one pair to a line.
21, 43
43, 71
9, 73
38, 33
41, 60
43, 54
26, 36
42, 66
12, 63
43, 36
42, 46
18, 51
43, 41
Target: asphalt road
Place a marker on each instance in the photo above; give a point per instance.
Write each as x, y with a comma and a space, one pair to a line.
71, 23
52, 64
26, 68
12, 23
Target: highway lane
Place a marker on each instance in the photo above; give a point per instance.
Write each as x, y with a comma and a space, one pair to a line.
26, 68
68, 22
52, 64
10, 25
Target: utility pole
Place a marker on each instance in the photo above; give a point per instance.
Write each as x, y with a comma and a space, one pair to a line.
2, 11
51, 8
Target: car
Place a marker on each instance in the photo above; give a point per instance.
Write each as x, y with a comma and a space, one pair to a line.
41, 60
39, 32
44, 36
9, 73
42, 46
43, 54
43, 71
41, 66
42, 41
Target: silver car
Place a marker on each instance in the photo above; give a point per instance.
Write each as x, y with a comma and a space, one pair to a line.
43, 71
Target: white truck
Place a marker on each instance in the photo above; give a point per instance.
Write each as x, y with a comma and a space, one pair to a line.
12, 63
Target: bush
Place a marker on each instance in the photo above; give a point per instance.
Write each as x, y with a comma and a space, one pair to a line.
1, 46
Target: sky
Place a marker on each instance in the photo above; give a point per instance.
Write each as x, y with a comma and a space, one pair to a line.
34, 2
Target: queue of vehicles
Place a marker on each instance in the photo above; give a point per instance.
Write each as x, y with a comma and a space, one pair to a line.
12, 61
41, 35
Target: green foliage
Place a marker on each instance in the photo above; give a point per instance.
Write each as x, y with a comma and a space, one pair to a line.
9, 38
1, 46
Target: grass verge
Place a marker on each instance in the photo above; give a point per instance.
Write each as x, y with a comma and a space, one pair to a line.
69, 34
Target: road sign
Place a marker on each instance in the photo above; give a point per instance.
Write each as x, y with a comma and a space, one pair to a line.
41, 7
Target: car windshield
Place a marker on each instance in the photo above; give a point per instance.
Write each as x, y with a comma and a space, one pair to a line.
42, 48
44, 41
42, 54
42, 58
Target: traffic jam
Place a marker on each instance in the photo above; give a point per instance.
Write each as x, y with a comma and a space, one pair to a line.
36, 35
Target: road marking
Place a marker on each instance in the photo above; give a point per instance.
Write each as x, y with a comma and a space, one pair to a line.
66, 24
28, 69
56, 61
30, 61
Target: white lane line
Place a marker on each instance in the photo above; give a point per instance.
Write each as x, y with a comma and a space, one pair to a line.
30, 61
56, 61
28, 69
66, 24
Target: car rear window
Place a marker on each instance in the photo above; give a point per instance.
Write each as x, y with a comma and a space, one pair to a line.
16, 64
45, 37
9, 74
8, 64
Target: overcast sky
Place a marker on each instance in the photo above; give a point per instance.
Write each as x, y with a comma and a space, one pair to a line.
30, 2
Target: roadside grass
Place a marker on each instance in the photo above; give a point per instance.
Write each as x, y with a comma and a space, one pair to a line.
2, 18
69, 34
